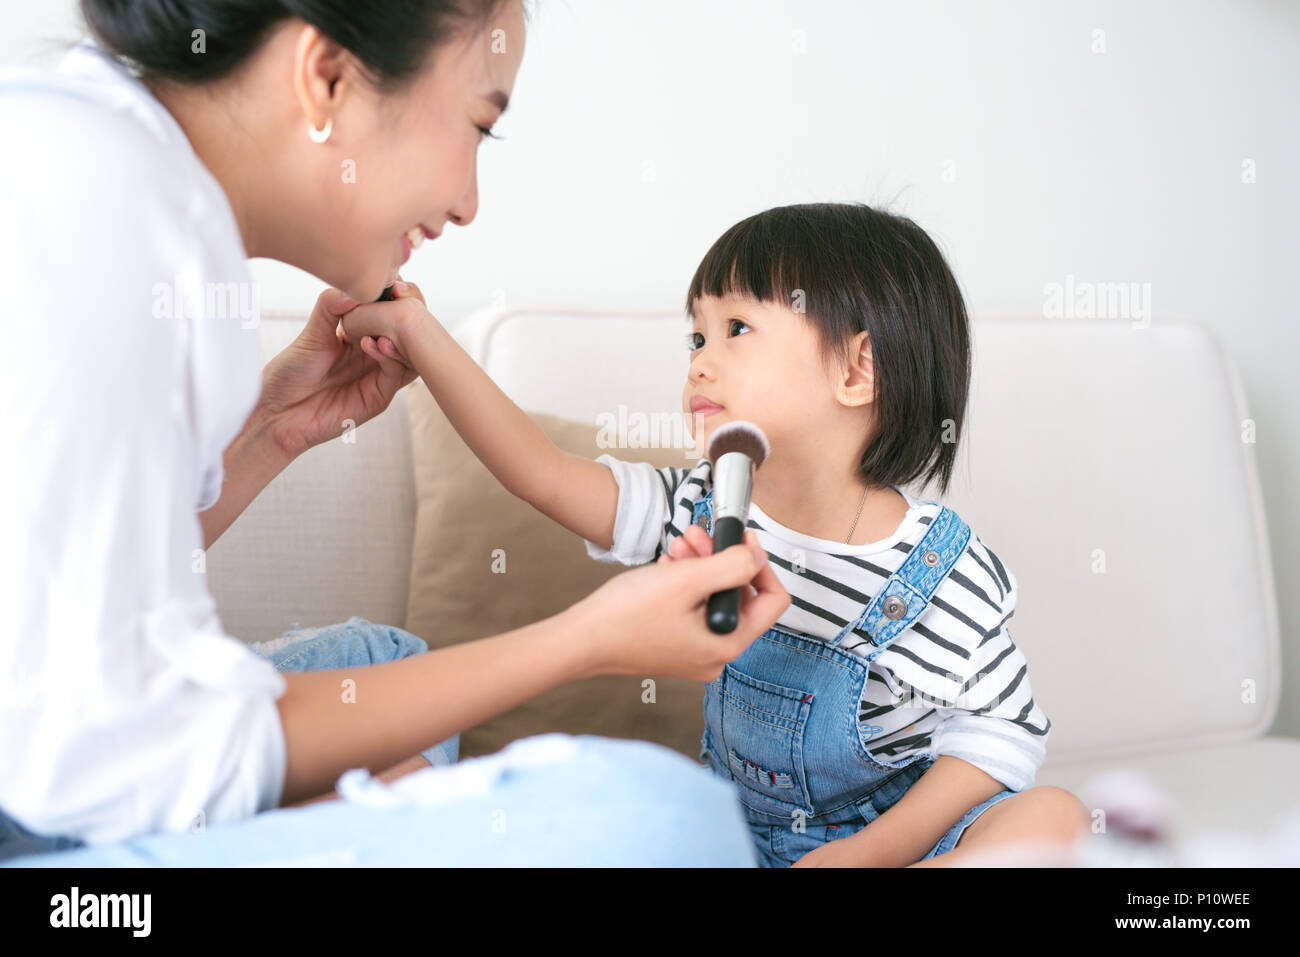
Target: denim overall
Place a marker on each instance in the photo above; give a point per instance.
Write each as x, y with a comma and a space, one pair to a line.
782, 721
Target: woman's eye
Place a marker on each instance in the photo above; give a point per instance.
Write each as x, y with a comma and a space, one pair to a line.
694, 340
488, 134
737, 322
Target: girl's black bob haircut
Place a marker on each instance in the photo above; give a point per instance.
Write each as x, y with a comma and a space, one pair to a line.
849, 268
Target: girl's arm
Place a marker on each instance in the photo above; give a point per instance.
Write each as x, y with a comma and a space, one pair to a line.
577, 492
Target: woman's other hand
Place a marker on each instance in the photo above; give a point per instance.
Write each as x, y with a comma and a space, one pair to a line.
650, 620
321, 384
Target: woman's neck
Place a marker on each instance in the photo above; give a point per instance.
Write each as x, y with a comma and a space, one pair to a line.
229, 150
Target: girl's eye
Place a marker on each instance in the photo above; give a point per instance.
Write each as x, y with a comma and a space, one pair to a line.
694, 340
737, 322
488, 134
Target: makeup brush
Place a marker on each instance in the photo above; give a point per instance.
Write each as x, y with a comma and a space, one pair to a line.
386, 295
736, 449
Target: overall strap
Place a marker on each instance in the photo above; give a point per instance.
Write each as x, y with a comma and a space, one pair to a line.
702, 512
907, 592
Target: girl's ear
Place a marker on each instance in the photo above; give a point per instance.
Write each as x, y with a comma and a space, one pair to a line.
857, 385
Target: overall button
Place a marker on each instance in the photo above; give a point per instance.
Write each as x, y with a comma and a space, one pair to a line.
930, 558
894, 607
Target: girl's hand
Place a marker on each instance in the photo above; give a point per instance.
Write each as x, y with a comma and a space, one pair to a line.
384, 324
650, 620
401, 290
320, 381
853, 851
844, 852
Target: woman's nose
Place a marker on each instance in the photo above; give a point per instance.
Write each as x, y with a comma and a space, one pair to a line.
463, 213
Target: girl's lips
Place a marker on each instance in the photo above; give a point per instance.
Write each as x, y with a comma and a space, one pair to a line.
703, 407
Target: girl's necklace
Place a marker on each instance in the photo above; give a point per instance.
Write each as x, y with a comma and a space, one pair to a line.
855, 517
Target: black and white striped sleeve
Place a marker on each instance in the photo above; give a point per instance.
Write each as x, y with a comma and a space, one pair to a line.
959, 658
646, 499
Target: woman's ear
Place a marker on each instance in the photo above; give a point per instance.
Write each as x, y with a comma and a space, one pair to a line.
319, 75
857, 379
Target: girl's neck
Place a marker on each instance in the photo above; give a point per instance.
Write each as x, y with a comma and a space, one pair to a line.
822, 502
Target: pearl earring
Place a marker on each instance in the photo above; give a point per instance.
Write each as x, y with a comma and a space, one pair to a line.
321, 135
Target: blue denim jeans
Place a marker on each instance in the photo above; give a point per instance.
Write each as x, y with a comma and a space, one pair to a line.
548, 800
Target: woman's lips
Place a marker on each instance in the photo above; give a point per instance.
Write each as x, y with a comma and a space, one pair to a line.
414, 238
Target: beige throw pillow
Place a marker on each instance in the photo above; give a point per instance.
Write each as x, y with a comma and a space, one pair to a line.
463, 514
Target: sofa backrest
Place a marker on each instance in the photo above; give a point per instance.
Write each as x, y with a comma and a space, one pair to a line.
1109, 465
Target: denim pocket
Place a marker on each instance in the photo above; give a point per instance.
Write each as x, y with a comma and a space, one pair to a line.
764, 736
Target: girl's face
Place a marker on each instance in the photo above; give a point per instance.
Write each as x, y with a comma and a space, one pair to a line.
760, 362
396, 162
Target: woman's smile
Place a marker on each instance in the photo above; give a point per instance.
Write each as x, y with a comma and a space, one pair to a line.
414, 238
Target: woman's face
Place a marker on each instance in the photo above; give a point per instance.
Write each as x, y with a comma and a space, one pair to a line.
397, 162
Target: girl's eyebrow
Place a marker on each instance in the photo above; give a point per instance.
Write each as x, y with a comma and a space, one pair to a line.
499, 99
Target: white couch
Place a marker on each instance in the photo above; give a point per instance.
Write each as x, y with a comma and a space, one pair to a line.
1091, 445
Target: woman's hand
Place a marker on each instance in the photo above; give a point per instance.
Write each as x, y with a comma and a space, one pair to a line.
650, 620
320, 380
695, 542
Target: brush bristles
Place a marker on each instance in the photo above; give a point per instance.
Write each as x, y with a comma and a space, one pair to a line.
738, 436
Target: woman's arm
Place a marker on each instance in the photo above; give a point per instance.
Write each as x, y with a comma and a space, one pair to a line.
250, 462
577, 492
393, 710
646, 621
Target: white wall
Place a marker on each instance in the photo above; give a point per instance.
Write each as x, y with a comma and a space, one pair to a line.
638, 132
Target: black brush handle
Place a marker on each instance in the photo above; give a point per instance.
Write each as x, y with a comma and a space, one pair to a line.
386, 295
724, 606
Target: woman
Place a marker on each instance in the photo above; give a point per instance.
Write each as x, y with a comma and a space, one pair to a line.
319, 134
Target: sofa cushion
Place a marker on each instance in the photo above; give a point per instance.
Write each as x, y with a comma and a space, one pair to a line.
463, 515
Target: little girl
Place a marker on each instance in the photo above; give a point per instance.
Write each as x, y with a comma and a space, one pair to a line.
839, 330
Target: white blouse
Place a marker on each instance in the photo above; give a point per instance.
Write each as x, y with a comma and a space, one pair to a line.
131, 362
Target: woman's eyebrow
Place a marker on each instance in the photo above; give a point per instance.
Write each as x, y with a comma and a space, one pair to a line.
500, 99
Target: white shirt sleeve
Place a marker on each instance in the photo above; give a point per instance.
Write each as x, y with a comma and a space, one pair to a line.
644, 505
128, 710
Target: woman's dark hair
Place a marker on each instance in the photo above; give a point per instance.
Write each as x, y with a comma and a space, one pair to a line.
849, 268
391, 38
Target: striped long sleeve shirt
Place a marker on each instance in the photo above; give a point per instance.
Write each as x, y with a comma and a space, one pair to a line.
952, 683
